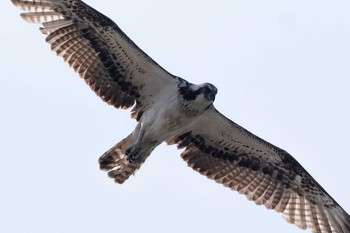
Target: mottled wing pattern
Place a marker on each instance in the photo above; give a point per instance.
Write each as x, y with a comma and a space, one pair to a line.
225, 152
96, 48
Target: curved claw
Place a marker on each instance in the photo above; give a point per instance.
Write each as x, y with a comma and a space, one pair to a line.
133, 155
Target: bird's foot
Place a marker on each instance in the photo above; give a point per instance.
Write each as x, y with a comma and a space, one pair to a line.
133, 154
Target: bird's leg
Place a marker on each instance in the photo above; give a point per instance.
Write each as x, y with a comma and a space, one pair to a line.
141, 145
133, 154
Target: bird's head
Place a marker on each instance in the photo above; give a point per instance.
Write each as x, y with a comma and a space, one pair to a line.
209, 91
202, 94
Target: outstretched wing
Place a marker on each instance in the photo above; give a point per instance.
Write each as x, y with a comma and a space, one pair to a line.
225, 152
95, 47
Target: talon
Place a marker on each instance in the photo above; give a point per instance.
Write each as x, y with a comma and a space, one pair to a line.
127, 152
132, 155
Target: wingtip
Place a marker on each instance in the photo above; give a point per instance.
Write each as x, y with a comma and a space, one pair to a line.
15, 2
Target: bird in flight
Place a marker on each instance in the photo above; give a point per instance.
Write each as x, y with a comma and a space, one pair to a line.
173, 110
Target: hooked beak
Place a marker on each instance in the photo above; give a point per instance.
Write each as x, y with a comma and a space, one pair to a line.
211, 96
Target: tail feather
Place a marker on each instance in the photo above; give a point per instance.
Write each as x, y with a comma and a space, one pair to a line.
117, 165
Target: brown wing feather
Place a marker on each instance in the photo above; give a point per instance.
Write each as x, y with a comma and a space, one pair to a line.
225, 152
96, 48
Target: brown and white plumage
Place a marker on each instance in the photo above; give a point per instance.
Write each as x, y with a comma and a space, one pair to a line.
98, 50
171, 109
267, 175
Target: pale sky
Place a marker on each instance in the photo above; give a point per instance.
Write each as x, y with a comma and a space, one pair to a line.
282, 70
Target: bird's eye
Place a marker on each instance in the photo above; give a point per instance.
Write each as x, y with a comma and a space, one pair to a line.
205, 90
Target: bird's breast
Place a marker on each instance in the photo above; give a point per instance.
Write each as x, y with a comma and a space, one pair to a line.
166, 118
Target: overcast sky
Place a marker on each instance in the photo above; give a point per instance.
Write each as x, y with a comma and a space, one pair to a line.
282, 70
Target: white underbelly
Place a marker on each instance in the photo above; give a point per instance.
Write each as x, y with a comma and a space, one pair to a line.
164, 120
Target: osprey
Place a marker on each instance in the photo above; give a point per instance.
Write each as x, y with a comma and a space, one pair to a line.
171, 109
